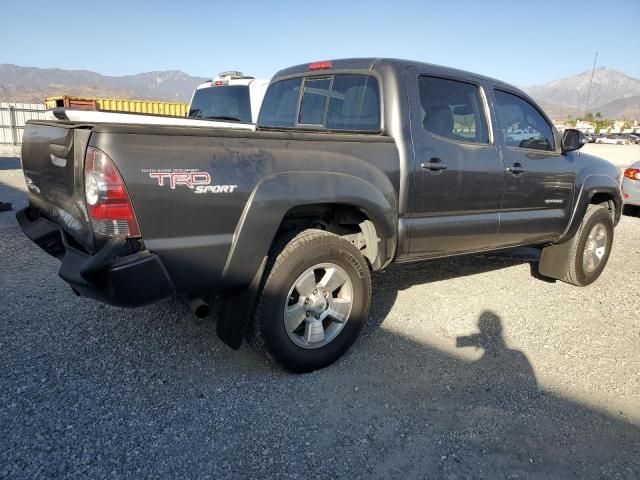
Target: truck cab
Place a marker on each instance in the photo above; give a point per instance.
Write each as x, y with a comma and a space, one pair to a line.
230, 96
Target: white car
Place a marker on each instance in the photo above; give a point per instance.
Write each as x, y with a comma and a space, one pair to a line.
611, 140
631, 186
231, 100
231, 96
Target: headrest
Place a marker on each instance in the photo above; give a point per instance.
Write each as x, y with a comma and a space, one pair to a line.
360, 101
463, 110
439, 120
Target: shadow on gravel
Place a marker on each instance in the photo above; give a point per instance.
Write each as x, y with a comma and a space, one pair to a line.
496, 356
395, 278
9, 163
91, 391
9, 194
631, 211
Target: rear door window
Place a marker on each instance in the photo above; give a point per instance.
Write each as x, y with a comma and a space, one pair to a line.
349, 102
453, 109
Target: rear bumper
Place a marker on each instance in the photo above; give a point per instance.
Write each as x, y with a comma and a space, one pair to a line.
108, 276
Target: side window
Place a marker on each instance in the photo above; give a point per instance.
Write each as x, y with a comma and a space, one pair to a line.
349, 102
452, 109
280, 104
522, 124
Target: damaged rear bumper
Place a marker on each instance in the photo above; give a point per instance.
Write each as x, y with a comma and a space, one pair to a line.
127, 280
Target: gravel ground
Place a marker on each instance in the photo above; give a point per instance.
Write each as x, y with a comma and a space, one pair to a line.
620, 155
549, 389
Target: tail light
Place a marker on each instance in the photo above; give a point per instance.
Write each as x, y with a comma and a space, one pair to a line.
108, 202
632, 173
324, 65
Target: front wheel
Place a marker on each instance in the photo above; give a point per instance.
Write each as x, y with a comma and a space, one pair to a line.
592, 248
313, 302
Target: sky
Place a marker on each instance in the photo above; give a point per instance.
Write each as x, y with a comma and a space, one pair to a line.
520, 42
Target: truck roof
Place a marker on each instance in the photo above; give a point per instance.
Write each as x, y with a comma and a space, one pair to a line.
396, 64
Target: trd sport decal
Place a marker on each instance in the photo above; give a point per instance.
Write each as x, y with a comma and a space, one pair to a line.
199, 182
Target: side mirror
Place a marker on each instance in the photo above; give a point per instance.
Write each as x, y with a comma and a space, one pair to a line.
572, 139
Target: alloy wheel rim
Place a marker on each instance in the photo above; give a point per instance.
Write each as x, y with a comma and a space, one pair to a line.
318, 305
595, 248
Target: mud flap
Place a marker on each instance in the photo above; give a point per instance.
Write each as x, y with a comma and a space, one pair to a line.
237, 311
555, 259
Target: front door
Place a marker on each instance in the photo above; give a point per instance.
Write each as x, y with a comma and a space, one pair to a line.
538, 180
457, 168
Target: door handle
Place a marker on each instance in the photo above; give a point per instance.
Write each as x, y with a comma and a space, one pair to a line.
435, 165
516, 169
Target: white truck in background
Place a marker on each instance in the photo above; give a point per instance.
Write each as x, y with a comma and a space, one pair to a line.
230, 96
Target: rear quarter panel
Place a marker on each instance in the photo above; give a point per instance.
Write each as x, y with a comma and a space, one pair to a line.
194, 232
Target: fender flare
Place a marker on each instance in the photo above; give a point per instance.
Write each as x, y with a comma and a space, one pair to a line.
275, 195
554, 260
268, 204
592, 185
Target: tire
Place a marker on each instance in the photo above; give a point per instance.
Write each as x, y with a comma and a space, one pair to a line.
579, 272
287, 286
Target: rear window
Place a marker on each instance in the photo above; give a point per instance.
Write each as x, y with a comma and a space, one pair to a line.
229, 102
332, 102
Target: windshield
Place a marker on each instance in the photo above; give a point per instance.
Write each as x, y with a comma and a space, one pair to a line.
230, 102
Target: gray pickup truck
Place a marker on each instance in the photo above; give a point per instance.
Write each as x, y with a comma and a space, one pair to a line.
353, 164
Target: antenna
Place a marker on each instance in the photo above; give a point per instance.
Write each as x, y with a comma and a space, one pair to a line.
586, 106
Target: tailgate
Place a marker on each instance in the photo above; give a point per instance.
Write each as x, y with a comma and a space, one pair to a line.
53, 164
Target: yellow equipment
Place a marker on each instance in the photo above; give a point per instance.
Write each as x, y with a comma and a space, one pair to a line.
151, 107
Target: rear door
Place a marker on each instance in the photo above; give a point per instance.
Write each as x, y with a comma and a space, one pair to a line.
538, 180
458, 171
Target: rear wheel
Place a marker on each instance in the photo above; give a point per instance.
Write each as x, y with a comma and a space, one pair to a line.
592, 247
313, 302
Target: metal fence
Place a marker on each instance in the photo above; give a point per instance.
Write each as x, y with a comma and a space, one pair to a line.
14, 116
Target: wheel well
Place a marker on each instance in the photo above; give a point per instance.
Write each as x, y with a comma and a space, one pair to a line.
606, 200
348, 221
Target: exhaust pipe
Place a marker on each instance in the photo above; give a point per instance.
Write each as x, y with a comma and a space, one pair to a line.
199, 307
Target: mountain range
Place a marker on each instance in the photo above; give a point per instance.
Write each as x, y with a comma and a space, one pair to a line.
32, 85
614, 94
